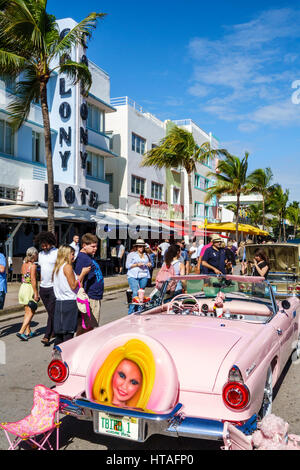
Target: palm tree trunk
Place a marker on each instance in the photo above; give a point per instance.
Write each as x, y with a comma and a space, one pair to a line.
280, 221
190, 205
48, 151
237, 217
263, 212
284, 231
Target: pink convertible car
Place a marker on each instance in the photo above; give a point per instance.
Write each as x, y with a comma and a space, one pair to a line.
182, 365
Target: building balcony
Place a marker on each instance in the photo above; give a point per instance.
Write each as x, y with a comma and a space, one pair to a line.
99, 142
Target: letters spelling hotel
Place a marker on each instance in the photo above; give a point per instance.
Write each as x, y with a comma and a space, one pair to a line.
97, 144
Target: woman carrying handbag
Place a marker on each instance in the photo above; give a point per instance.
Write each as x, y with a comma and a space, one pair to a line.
64, 284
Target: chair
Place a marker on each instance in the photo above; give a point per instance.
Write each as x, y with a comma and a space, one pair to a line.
17, 263
37, 427
234, 439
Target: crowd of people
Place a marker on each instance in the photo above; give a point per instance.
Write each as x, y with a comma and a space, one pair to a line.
63, 270
214, 257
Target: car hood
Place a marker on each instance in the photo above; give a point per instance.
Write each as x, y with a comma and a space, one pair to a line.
197, 346
283, 257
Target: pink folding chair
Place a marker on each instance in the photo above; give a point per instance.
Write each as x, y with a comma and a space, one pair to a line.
234, 439
37, 427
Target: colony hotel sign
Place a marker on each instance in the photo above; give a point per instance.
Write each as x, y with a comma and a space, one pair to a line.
69, 125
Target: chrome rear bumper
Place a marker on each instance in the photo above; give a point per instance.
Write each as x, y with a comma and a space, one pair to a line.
173, 424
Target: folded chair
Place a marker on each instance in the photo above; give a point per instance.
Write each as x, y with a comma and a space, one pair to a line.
37, 427
234, 439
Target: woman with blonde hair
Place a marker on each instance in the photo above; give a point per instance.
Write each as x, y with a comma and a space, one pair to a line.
28, 293
64, 285
126, 377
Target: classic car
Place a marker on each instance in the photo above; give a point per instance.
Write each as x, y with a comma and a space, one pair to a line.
181, 366
284, 273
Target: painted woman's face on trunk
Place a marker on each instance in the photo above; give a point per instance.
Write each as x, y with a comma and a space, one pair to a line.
126, 382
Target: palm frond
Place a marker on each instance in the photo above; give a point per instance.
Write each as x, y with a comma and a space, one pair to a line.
11, 64
77, 73
26, 91
75, 35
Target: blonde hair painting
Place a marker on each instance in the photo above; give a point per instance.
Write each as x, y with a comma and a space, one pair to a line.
139, 353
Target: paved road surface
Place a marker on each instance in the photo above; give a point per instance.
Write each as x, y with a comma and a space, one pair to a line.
26, 366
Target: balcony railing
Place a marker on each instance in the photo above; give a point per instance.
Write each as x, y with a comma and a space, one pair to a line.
126, 101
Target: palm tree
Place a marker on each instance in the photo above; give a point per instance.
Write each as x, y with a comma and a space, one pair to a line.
30, 48
179, 149
278, 207
293, 215
255, 214
230, 178
259, 181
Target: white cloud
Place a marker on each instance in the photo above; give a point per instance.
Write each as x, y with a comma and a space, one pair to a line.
280, 113
246, 75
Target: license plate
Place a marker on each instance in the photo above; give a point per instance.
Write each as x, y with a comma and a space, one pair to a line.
125, 427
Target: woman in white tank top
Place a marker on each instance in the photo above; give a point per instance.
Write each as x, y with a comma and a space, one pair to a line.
64, 285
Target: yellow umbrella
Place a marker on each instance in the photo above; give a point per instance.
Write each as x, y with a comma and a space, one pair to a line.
231, 227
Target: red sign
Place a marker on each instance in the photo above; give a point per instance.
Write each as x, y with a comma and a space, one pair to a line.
153, 203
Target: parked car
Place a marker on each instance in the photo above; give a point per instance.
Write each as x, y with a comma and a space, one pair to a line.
284, 274
184, 366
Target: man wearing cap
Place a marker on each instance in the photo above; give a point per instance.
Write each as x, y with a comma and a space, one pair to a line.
214, 259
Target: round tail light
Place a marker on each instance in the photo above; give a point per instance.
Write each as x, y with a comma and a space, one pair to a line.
57, 371
236, 395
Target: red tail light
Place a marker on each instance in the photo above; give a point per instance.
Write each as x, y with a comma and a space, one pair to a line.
236, 395
57, 371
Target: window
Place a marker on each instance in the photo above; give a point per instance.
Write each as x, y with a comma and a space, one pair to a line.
137, 185
201, 182
138, 144
175, 195
209, 212
9, 82
198, 210
157, 191
96, 119
37, 143
95, 166
8, 193
109, 177
6, 138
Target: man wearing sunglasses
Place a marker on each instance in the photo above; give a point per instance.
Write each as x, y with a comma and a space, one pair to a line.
214, 258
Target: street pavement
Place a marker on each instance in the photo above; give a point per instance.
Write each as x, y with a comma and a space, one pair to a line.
26, 365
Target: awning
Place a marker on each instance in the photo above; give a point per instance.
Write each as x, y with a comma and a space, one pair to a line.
182, 228
35, 211
137, 226
231, 227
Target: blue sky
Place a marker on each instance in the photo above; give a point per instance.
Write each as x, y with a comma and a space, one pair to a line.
227, 67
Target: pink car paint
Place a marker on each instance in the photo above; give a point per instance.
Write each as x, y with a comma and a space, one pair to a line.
193, 355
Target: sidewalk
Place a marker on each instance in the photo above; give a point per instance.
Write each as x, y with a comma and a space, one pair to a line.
111, 284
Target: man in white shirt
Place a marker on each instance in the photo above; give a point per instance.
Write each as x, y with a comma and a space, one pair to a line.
162, 248
47, 260
75, 244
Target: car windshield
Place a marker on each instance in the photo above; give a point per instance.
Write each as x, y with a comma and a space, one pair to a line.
233, 288
247, 288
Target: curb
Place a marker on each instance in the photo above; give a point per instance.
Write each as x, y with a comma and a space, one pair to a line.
19, 309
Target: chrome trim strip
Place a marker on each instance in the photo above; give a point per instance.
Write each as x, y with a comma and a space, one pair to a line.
84, 403
172, 424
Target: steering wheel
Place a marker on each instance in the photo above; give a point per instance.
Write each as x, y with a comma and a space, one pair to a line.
184, 309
